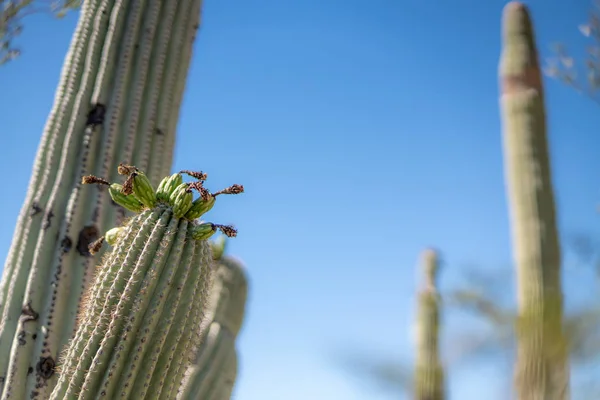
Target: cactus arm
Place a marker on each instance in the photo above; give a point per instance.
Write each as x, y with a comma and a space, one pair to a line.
147, 42
132, 338
77, 264
172, 93
30, 219
150, 359
131, 272
114, 364
163, 374
542, 364
156, 75
45, 247
429, 374
192, 337
101, 298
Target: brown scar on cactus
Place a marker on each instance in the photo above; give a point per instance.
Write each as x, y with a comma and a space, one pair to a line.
96, 115
28, 314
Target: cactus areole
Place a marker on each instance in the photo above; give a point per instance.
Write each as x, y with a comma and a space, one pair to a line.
138, 330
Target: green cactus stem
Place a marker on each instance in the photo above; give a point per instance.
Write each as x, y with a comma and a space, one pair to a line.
429, 373
213, 373
139, 323
117, 100
542, 370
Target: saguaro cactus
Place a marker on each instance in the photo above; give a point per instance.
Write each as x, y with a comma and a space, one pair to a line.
541, 369
139, 324
213, 372
429, 373
117, 100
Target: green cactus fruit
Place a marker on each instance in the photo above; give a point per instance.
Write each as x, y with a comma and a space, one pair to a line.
182, 199
167, 187
140, 187
212, 375
118, 100
205, 203
429, 373
112, 235
129, 202
138, 326
542, 370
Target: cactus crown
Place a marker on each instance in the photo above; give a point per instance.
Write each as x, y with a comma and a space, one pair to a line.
137, 194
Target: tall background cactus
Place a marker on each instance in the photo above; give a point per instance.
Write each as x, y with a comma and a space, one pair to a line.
542, 366
429, 373
118, 100
213, 373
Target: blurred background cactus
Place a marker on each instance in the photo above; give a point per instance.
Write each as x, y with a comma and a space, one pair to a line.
214, 370
542, 370
429, 373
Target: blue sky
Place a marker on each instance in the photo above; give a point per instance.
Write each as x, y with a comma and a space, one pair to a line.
362, 132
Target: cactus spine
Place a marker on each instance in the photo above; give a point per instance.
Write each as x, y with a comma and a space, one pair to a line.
541, 368
107, 108
213, 372
429, 373
140, 318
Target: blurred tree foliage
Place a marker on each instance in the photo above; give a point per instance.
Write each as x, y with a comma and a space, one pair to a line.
582, 74
11, 19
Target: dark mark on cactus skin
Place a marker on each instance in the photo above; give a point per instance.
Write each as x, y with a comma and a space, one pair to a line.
66, 244
21, 338
86, 236
35, 209
159, 131
28, 314
96, 115
29, 370
48, 220
45, 367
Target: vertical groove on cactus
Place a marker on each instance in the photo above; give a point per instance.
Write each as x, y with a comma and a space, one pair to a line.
429, 373
542, 365
140, 331
100, 115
